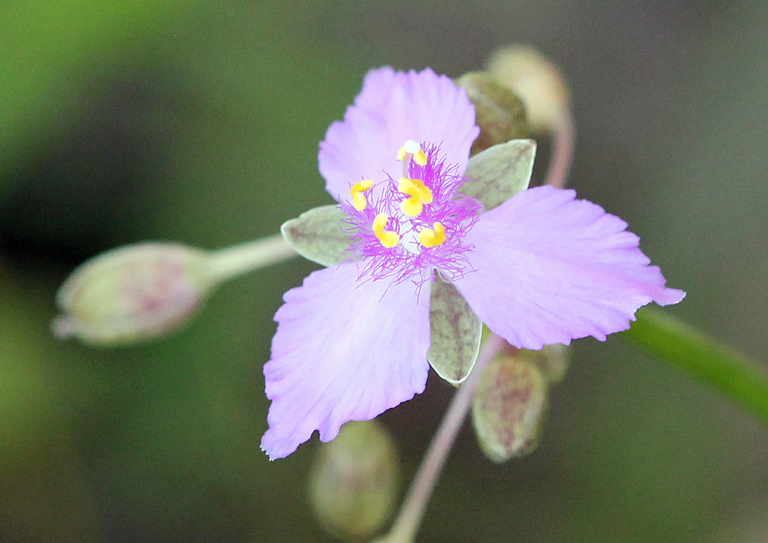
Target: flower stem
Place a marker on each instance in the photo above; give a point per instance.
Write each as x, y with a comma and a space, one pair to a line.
563, 143
239, 259
412, 511
727, 371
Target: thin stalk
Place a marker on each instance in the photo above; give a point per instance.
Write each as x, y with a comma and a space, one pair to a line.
563, 144
412, 511
240, 259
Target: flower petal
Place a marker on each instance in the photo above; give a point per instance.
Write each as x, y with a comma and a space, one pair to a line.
549, 269
394, 107
343, 351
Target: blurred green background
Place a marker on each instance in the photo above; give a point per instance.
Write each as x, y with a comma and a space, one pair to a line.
198, 121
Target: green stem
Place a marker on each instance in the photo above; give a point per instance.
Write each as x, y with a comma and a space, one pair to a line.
727, 371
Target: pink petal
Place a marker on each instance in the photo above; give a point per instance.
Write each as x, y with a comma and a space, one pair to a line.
394, 107
550, 269
343, 351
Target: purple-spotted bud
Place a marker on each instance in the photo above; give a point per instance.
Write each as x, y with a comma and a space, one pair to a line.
536, 80
552, 361
133, 293
508, 407
354, 481
499, 113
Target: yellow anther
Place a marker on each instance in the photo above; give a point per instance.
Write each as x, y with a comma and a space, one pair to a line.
358, 200
418, 195
412, 207
412, 149
420, 158
387, 238
432, 237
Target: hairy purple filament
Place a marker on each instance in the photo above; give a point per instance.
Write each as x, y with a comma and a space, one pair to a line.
410, 258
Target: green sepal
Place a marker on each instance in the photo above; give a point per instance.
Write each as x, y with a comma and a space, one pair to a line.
455, 333
318, 235
498, 173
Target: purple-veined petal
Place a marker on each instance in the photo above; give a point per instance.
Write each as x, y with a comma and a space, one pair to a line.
550, 269
394, 107
344, 350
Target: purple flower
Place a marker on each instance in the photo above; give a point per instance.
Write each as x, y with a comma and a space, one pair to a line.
540, 268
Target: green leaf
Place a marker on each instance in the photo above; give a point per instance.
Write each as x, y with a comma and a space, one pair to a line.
318, 235
500, 172
456, 333
727, 371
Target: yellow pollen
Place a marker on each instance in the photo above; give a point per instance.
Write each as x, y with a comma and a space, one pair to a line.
358, 200
412, 149
432, 237
418, 195
387, 238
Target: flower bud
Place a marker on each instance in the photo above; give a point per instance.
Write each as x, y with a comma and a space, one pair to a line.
508, 407
534, 79
552, 361
499, 113
133, 293
354, 481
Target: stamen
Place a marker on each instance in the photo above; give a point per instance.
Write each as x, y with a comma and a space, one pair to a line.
387, 238
412, 150
418, 195
432, 237
358, 200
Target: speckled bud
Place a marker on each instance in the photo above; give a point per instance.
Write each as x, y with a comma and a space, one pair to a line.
133, 293
536, 80
552, 360
499, 113
354, 481
508, 407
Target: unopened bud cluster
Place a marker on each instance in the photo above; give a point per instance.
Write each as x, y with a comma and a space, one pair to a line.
510, 401
148, 290
132, 293
536, 80
354, 481
499, 112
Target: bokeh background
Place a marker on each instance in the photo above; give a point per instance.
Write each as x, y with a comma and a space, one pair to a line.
198, 121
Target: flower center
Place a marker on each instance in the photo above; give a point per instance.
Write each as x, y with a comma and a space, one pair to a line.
409, 227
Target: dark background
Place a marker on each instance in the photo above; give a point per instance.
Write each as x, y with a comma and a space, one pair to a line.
198, 122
